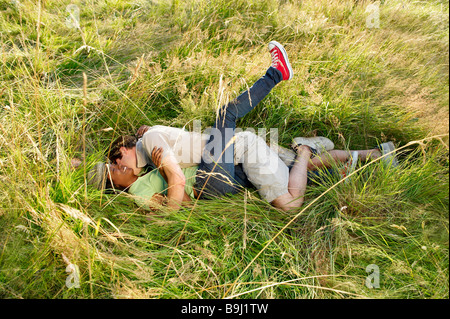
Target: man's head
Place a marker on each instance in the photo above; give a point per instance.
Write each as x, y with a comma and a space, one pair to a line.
123, 152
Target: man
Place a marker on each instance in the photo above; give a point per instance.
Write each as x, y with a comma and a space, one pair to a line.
219, 153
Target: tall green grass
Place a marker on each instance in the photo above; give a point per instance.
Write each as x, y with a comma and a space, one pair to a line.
172, 62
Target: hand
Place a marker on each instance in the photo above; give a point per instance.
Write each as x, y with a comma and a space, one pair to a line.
75, 163
142, 130
157, 156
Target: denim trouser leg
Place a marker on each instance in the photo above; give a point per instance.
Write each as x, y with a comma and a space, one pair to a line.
218, 155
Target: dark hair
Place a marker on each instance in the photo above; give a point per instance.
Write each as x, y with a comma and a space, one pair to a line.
113, 189
126, 141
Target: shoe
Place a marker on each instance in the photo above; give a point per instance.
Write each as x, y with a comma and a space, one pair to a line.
319, 144
286, 155
280, 60
386, 148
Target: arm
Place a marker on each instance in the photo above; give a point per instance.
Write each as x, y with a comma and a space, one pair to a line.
157, 160
171, 169
175, 180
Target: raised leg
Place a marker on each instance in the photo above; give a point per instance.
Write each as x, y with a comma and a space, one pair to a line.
218, 155
217, 170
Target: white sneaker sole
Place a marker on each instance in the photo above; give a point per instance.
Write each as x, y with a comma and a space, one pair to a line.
319, 143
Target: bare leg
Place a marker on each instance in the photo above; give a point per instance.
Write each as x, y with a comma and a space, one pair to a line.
338, 156
325, 159
297, 182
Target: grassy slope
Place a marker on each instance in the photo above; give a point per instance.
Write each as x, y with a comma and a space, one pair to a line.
169, 62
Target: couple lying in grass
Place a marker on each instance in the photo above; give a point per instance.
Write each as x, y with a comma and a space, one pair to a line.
192, 165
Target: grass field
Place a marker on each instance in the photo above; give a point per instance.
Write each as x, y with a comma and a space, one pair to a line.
170, 62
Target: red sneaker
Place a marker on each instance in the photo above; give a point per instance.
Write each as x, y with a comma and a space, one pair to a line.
280, 60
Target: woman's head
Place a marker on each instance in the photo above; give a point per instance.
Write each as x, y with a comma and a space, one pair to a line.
120, 176
105, 176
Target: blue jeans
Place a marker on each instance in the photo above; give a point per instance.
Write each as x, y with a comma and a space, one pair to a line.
217, 174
